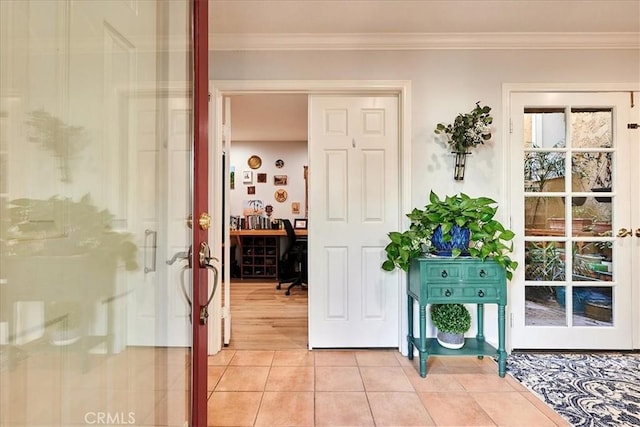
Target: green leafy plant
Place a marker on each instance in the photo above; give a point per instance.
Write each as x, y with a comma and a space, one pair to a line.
468, 130
450, 318
489, 238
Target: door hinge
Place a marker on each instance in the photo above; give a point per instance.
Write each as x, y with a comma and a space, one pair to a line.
510, 126
209, 98
632, 126
224, 313
511, 320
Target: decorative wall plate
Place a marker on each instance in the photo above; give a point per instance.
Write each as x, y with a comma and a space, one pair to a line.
280, 195
254, 162
279, 163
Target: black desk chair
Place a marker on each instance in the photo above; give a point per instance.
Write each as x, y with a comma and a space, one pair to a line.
292, 266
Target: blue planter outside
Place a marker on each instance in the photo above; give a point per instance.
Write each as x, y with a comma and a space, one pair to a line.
460, 237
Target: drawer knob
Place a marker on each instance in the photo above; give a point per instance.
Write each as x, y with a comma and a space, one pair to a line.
444, 273
483, 273
480, 293
447, 293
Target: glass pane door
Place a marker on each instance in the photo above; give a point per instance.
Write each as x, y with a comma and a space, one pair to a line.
573, 174
95, 155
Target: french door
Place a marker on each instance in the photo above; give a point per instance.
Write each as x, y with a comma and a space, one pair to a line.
571, 173
98, 175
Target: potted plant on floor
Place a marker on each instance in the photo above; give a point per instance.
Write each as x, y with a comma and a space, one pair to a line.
453, 226
452, 322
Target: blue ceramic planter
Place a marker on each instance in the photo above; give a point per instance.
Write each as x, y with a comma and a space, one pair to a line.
460, 237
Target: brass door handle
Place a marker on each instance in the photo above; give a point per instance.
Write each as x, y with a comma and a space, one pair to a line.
623, 232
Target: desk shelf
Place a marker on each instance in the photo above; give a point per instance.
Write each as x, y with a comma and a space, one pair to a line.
259, 257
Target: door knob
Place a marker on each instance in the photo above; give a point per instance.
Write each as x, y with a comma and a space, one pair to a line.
204, 221
623, 232
637, 232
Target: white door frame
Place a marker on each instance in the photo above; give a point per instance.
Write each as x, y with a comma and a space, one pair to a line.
507, 90
402, 88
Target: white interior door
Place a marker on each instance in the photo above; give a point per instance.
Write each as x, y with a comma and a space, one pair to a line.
159, 314
572, 175
353, 204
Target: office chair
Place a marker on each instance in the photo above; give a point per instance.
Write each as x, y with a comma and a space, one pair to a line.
292, 266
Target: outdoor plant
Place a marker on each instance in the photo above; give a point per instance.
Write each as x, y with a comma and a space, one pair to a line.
489, 238
450, 318
468, 130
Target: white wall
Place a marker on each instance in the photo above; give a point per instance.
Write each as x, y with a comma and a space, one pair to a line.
294, 155
444, 83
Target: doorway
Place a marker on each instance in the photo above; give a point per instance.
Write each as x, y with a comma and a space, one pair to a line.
266, 157
572, 156
400, 90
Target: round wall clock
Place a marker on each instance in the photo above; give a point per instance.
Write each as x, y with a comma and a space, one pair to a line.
254, 162
280, 195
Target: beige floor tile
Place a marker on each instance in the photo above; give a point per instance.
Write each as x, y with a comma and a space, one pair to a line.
335, 358
511, 408
342, 409
483, 382
214, 373
243, 378
252, 358
291, 378
398, 409
454, 409
286, 409
545, 409
377, 358
385, 378
221, 358
233, 408
517, 385
293, 358
433, 381
404, 360
341, 378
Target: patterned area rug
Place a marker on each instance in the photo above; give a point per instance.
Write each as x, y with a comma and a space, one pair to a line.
597, 389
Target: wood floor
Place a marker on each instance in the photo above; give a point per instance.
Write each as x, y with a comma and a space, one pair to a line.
264, 318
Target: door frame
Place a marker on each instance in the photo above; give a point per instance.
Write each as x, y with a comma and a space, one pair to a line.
507, 90
401, 88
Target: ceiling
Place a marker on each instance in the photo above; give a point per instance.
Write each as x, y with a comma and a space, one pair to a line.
422, 16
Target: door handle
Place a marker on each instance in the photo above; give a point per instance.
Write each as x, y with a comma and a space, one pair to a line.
637, 232
204, 260
623, 232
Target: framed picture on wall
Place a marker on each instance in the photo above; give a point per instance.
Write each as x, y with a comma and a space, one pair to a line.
247, 177
280, 180
262, 177
300, 223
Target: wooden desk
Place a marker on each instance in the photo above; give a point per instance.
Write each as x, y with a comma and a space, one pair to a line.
259, 251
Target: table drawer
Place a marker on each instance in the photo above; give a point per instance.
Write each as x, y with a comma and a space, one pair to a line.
478, 272
471, 294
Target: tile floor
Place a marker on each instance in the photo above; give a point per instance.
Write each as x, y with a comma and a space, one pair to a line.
365, 388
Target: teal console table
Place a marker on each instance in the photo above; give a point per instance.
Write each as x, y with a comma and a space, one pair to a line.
446, 280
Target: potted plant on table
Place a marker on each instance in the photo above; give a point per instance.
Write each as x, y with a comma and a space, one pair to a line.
452, 322
453, 226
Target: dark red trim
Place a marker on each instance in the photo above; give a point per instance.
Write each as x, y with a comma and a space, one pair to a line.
200, 204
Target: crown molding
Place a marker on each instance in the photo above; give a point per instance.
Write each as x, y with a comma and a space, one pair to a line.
421, 41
